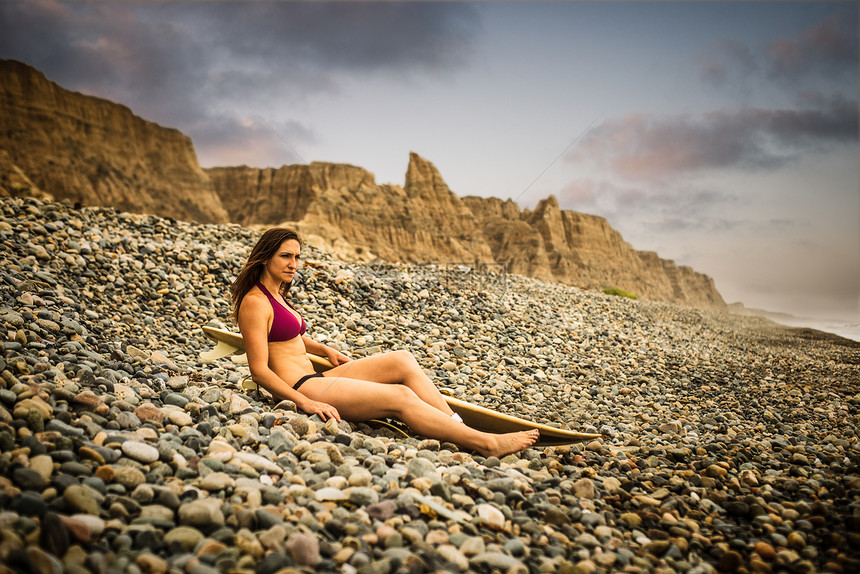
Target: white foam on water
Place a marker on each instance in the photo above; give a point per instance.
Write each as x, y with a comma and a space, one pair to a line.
847, 329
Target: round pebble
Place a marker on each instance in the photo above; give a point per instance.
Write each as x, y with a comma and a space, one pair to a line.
140, 451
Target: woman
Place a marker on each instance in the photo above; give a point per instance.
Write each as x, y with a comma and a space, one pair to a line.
384, 385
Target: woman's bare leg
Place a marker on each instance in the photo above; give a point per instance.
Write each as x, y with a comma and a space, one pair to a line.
358, 400
395, 367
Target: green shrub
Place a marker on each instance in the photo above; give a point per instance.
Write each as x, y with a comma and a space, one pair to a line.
619, 292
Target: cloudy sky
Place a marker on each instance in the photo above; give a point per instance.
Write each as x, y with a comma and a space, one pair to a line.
723, 136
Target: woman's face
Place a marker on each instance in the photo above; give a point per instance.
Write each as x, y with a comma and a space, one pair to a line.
283, 265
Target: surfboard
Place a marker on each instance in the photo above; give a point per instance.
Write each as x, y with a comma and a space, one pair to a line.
488, 420
476, 416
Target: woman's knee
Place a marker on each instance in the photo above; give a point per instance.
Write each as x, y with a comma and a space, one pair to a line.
404, 359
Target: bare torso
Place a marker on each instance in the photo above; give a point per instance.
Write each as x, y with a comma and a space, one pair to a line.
289, 360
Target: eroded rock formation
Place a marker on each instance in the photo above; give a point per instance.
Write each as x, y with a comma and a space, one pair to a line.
424, 221
584, 250
97, 152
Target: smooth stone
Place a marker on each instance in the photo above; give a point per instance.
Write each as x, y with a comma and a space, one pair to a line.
178, 382
450, 554
257, 462
95, 483
488, 513
275, 562
237, 405
473, 546
81, 525
215, 481
28, 504
127, 420
267, 519
591, 541
303, 549
247, 543
209, 548
27, 479
421, 468
611, 484
584, 488
140, 451
498, 560
179, 418
44, 465
45, 411
128, 476
186, 536
168, 498
149, 413
330, 493
81, 499
765, 550
43, 563
515, 547
204, 513
362, 496
75, 468
54, 536
382, 510
176, 399
88, 453
273, 538
730, 561
151, 563
221, 450
157, 512
360, 476
63, 428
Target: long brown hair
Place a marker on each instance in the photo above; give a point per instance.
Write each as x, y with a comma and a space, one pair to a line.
266, 248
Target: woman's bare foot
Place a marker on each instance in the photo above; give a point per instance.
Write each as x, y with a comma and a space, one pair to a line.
503, 444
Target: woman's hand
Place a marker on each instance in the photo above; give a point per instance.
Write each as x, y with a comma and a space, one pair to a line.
324, 410
316, 348
336, 357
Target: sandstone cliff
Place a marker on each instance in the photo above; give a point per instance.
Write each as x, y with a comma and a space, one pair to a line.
424, 221
87, 149
343, 204
584, 250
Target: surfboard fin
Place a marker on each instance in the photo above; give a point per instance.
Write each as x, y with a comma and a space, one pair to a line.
220, 351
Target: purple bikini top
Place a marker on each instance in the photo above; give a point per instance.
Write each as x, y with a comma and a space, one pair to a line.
285, 326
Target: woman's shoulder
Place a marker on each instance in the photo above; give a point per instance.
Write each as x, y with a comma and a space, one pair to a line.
254, 300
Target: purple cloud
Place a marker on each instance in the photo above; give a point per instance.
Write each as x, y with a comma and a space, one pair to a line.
828, 47
727, 61
670, 208
641, 146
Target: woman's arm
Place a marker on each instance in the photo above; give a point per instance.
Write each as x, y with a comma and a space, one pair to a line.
334, 356
254, 316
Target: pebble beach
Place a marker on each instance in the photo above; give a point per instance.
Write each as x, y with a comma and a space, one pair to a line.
727, 443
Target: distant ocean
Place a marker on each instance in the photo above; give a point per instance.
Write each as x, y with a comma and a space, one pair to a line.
845, 329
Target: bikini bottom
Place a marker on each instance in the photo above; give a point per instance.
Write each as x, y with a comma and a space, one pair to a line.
304, 379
